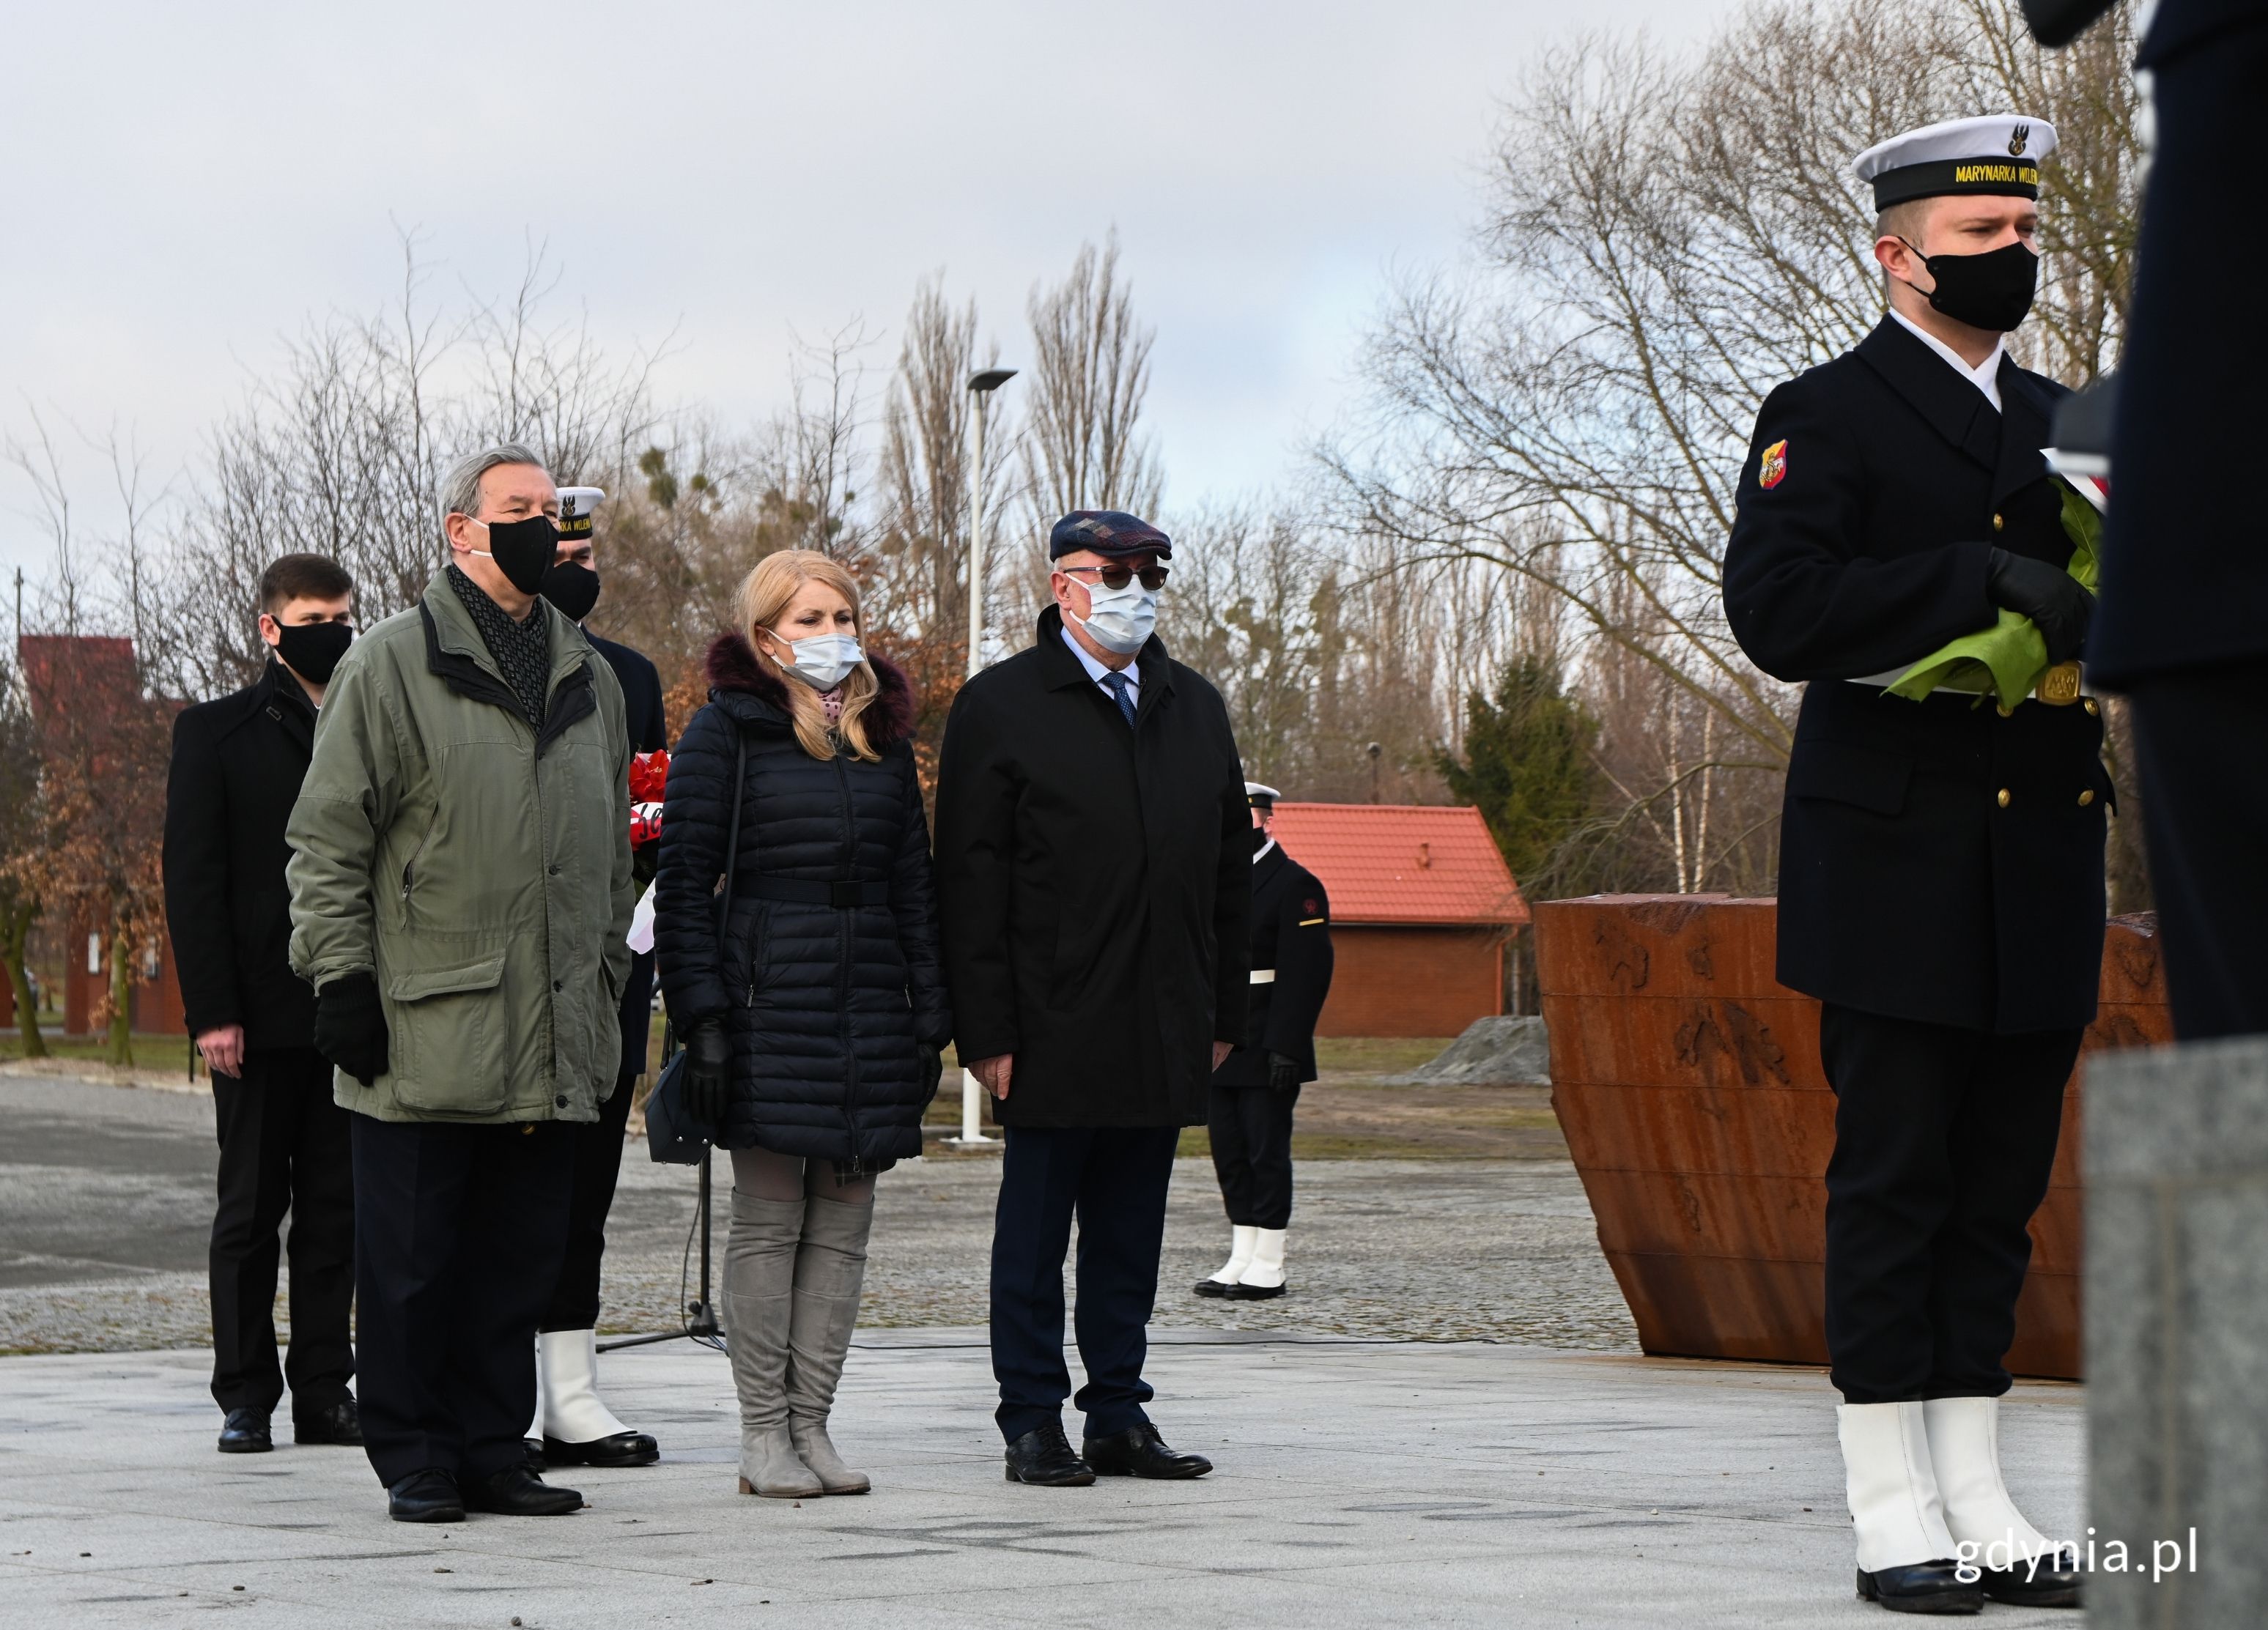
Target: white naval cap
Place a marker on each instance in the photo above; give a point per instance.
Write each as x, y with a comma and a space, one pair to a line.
576, 506
2000, 154
1260, 797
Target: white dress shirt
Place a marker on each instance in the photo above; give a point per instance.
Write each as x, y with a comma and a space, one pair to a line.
1095, 670
1985, 375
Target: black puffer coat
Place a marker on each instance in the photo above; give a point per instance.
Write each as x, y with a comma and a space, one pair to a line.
824, 1003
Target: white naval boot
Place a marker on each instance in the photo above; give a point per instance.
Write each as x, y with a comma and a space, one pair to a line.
2021, 1565
1241, 1239
577, 1429
1263, 1276
1907, 1557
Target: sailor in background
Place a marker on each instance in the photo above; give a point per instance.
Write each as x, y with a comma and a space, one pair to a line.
1941, 883
1257, 1087
572, 1425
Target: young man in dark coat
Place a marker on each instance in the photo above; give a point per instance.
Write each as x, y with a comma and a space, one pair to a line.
572, 1425
1941, 859
237, 766
1253, 1092
1094, 877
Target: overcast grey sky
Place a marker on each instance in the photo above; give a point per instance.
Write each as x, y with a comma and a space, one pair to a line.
187, 184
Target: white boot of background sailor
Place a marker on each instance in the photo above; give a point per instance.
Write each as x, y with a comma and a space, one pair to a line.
1243, 1238
1907, 1557
1263, 1276
578, 1429
2021, 1565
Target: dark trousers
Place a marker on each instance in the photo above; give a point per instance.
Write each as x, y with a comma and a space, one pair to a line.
1251, 1129
598, 1166
2200, 733
457, 1240
1943, 1142
1113, 1180
284, 1147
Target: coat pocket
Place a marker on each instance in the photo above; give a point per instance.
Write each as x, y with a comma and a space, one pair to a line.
1843, 772
449, 1038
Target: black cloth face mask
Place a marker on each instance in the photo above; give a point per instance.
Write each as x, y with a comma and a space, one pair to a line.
523, 550
313, 649
1992, 290
572, 587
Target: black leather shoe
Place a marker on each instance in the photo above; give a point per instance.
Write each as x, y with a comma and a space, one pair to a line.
246, 1432
518, 1492
1209, 1287
2035, 1587
623, 1449
1042, 1456
340, 1423
427, 1496
1922, 1588
1138, 1452
1253, 1293
535, 1457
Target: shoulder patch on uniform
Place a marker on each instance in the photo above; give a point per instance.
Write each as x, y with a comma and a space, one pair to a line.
1311, 905
1771, 469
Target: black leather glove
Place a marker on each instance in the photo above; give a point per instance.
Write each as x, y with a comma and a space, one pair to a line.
708, 1071
2049, 595
350, 1026
932, 1068
1283, 1073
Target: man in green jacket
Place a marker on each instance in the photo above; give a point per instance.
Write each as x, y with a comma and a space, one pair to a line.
460, 894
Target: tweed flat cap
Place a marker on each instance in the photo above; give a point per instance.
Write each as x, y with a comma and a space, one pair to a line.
1106, 531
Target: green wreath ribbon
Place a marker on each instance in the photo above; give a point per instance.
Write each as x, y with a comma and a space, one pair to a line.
2008, 659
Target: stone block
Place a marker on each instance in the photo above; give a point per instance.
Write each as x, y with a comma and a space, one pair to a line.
2176, 1321
1502, 1050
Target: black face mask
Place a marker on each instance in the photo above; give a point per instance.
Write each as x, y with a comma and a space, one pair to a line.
573, 588
313, 649
1992, 290
1260, 839
523, 550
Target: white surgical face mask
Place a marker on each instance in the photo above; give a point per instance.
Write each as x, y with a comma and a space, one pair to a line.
1119, 619
824, 661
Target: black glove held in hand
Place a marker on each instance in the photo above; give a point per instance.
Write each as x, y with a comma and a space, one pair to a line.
350, 1026
2049, 595
708, 1071
1283, 1073
932, 1068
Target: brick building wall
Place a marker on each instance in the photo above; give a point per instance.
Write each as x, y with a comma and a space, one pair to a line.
156, 994
1411, 981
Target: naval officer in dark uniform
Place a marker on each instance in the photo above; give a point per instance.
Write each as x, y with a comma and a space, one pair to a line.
1942, 886
1257, 1087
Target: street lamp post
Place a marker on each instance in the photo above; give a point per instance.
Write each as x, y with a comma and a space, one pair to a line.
981, 386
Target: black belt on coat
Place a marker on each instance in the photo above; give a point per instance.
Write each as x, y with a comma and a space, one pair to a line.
843, 893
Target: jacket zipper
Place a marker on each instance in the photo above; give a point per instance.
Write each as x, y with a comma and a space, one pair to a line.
409, 866
843, 917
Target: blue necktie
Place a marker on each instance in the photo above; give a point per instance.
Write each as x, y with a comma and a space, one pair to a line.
1121, 693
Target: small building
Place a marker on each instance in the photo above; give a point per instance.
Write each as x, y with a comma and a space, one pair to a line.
1422, 908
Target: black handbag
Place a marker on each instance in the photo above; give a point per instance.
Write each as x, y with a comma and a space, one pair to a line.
673, 1135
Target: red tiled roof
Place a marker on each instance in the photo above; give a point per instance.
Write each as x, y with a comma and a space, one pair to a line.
1403, 862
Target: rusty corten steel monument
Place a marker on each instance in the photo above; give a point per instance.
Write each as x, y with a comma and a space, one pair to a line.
1687, 1081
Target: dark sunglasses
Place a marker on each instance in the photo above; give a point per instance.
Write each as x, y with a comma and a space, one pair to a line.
1117, 575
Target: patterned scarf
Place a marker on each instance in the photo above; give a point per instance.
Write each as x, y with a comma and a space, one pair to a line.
522, 648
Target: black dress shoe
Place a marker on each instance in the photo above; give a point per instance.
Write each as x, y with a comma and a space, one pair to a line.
1253, 1293
518, 1492
534, 1446
427, 1496
1042, 1456
246, 1432
339, 1423
2035, 1587
1209, 1287
1922, 1588
623, 1449
1138, 1452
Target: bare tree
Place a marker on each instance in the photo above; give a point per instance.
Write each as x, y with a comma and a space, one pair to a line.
1090, 373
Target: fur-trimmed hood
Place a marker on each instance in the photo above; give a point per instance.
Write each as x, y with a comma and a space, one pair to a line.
733, 665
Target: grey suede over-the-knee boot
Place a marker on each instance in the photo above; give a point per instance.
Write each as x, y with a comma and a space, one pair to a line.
760, 1256
829, 1269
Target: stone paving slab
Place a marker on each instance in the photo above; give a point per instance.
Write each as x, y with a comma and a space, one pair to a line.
1360, 1484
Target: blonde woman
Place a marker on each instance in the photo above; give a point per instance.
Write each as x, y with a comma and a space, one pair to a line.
813, 1023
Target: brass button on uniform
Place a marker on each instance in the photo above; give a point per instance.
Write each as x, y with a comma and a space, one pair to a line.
2005, 711
2086, 798
1998, 523
2090, 705
2002, 798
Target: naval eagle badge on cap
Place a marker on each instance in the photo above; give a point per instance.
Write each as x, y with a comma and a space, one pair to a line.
2000, 154
1771, 469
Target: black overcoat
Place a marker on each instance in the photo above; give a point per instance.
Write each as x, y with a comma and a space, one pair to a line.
235, 772
823, 1002
642, 712
1939, 860
1096, 886
1291, 937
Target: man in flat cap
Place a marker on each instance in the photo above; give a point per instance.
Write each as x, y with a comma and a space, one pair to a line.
1094, 877
1941, 844
1258, 1086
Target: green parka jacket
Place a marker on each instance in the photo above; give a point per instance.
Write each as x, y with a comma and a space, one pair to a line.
481, 870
